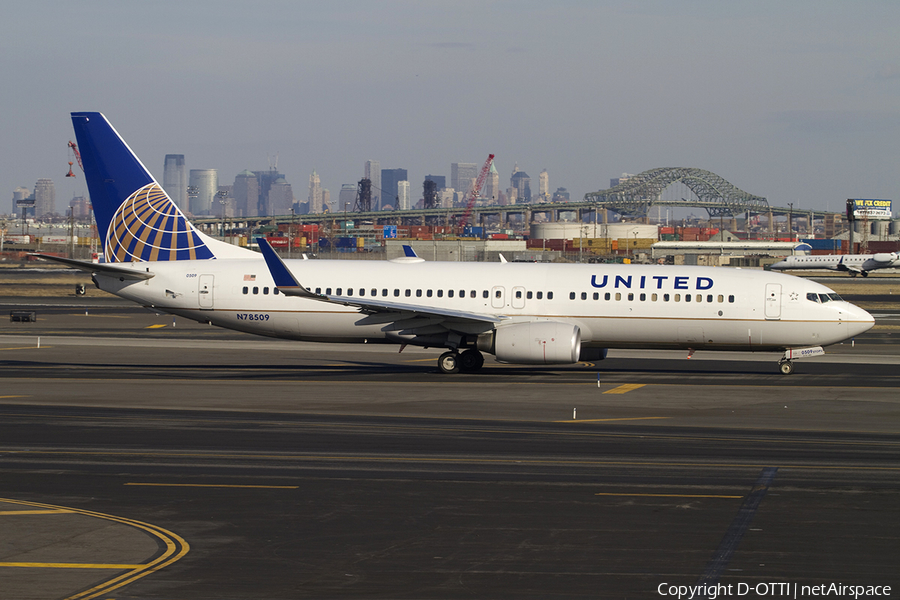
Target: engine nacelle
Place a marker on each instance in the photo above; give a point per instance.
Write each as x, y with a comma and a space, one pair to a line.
536, 343
885, 257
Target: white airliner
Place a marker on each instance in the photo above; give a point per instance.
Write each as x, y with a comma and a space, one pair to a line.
521, 313
854, 264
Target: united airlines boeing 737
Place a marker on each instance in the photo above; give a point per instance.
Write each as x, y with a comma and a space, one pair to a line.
520, 313
854, 264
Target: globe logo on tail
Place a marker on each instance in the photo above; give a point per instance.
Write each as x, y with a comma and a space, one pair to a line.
149, 227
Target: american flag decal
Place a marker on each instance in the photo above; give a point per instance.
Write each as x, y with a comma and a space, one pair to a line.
249, 277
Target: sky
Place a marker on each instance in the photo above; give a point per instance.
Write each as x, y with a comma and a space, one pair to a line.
794, 101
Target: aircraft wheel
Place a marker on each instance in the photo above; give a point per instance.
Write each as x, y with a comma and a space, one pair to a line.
865, 273
471, 361
787, 367
449, 362
852, 274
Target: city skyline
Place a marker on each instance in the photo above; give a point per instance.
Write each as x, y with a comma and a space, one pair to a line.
794, 102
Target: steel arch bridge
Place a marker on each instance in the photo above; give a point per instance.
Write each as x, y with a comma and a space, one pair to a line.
635, 196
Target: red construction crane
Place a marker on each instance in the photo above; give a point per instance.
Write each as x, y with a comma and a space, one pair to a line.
77, 154
476, 190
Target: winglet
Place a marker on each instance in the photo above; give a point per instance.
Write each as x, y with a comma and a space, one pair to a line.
284, 280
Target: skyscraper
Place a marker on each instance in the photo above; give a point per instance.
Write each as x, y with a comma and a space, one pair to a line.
246, 194
44, 198
315, 194
521, 182
491, 188
402, 195
265, 179
20, 193
389, 180
281, 197
204, 183
346, 198
462, 175
373, 174
544, 186
175, 180
440, 181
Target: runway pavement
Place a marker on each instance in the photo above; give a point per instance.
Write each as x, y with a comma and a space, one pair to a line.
142, 460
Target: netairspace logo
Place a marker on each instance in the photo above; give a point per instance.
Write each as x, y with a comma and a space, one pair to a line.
774, 590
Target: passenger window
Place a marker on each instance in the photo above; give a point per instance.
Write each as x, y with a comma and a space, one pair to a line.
731, 299
275, 291
462, 293
440, 293
362, 291
677, 298
396, 292
540, 295
584, 295
709, 298
571, 295
687, 297
327, 291
408, 293
549, 295
643, 297
246, 289
699, 297
449, 293
653, 297
630, 297
606, 296
596, 295
256, 290
472, 294
418, 293
384, 292
528, 295
349, 291
428, 293
375, 292
485, 294
265, 291
721, 298
338, 291
518, 294
618, 296
318, 290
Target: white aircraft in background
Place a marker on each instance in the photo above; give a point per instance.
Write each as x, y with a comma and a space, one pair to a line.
854, 264
519, 312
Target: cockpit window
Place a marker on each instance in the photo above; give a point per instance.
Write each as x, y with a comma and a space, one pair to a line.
812, 296
830, 298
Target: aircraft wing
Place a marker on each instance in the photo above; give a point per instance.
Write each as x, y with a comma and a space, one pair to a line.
113, 270
405, 318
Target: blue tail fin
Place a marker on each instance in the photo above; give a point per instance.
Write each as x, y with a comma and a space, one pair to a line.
136, 219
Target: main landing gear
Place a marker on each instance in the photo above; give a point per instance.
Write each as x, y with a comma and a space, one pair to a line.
470, 361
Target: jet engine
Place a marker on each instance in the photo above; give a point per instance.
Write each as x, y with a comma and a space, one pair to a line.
885, 257
535, 343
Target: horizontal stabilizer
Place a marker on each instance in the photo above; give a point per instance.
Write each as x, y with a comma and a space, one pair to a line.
113, 270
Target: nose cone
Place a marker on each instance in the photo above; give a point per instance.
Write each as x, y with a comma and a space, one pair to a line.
782, 264
857, 320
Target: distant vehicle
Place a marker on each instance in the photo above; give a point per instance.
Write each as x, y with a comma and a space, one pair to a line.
521, 313
854, 264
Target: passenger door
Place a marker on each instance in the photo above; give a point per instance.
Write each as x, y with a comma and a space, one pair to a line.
773, 300
205, 291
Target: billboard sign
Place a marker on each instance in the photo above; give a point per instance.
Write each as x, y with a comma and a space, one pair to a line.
867, 208
390, 231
